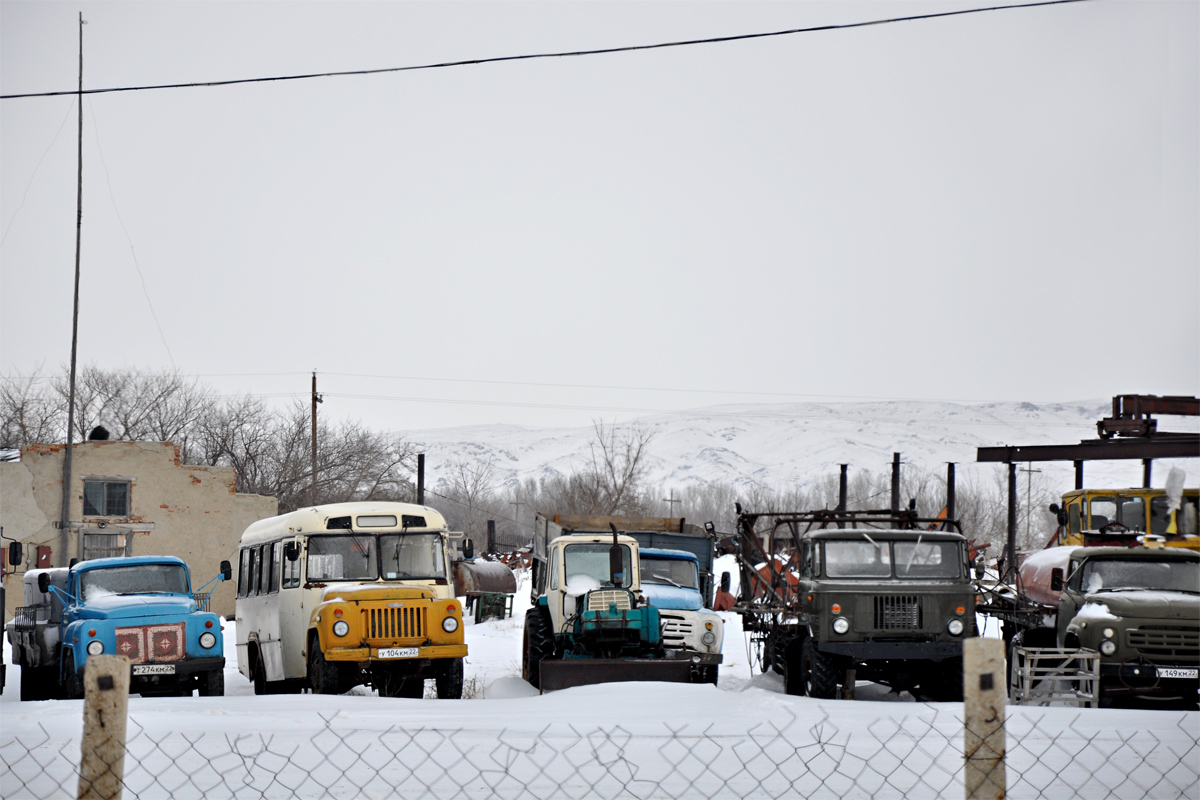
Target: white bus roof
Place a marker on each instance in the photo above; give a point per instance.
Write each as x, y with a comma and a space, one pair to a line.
315, 520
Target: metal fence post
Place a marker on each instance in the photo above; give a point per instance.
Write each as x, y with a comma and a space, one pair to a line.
105, 709
983, 714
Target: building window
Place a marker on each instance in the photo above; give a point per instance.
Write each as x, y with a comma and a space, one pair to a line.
106, 498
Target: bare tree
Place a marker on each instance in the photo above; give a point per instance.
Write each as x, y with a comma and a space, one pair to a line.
29, 414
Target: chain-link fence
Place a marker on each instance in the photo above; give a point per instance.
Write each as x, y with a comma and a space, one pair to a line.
916, 754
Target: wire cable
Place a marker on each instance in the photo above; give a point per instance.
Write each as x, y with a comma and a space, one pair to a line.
564, 54
33, 175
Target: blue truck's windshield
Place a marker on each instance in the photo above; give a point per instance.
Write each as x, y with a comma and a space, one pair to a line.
140, 579
670, 572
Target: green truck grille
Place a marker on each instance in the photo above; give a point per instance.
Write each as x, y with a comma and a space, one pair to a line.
897, 612
395, 623
1164, 642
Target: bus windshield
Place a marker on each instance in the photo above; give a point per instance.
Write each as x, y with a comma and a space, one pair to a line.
367, 557
140, 579
411, 556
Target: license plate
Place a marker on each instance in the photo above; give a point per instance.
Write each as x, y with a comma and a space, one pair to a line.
397, 652
153, 669
1174, 672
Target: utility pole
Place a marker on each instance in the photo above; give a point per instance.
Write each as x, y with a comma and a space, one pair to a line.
518, 504
65, 541
316, 398
671, 501
1029, 470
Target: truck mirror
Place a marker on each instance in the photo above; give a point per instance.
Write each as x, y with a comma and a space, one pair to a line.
72, 562
291, 551
43, 582
979, 570
226, 571
468, 549
1056, 579
725, 582
709, 528
1054, 509
16, 554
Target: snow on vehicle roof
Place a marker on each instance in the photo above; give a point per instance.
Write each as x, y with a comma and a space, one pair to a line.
660, 552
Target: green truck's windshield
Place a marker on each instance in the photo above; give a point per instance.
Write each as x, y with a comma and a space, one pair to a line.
1114, 575
915, 560
140, 579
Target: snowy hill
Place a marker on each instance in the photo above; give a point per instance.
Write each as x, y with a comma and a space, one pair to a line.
793, 444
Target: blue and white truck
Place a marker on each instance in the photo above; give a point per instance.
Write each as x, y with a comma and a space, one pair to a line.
141, 607
671, 583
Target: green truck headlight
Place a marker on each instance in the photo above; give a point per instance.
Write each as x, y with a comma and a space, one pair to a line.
955, 626
1108, 647
841, 625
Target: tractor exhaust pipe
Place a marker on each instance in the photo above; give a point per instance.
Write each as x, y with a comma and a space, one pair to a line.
616, 568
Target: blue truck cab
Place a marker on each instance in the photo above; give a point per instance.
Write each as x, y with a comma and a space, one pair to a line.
671, 582
142, 608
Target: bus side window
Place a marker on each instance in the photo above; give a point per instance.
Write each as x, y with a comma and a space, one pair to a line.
264, 555
252, 581
1073, 519
273, 575
243, 572
291, 572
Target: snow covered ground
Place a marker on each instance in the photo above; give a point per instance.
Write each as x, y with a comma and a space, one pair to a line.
743, 738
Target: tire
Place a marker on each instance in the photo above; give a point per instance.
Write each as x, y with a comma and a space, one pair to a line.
818, 675
537, 645
947, 681
72, 682
212, 683
390, 683
38, 683
259, 673
450, 680
322, 675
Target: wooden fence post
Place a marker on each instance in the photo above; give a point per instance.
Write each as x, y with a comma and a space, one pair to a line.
105, 708
984, 698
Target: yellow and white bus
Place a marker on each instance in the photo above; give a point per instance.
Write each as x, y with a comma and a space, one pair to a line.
339, 595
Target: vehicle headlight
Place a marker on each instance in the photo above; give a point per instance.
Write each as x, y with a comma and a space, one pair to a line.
841, 625
955, 626
1109, 633
1108, 647
341, 627
708, 638
450, 624
208, 640
95, 648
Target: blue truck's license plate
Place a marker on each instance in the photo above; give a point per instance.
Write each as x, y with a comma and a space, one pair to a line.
153, 669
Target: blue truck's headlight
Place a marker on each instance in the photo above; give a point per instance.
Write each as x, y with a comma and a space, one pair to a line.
709, 638
95, 648
208, 640
341, 627
450, 624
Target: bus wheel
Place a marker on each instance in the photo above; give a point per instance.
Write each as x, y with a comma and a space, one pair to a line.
322, 674
260, 674
212, 683
450, 680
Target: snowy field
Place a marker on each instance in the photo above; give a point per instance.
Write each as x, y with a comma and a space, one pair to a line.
742, 738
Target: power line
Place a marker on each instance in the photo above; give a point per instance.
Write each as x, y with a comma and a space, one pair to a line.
532, 56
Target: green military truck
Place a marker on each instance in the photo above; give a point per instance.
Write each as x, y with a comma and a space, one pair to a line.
832, 597
1138, 607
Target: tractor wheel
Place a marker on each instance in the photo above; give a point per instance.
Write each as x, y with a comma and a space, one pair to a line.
212, 683
538, 644
817, 672
450, 680
322, 675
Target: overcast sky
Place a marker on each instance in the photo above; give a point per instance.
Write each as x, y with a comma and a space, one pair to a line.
1001, 206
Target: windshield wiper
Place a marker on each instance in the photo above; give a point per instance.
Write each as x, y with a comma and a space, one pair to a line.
668, 580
